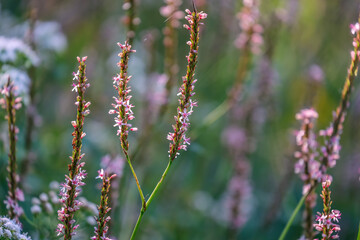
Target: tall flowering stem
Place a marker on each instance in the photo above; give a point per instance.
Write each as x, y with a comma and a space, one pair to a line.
122, 108
249, 41
31, 111
332, 134
102, 220
73, 182
332, 146
328, 219
12, 103
178, 139
307, 166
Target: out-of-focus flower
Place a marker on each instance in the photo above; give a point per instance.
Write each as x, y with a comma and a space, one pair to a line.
113, 165
19, 77
14, 51
171, 12
35, 209
316, 73
9, 229
251, 30
307, 166
238, 193
48, 36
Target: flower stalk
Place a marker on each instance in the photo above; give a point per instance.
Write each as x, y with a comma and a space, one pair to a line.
328, 219
12, 103
73, 182
332, 134
307, 166
178, 139
102, 220
122, 108
331, 149
31, 111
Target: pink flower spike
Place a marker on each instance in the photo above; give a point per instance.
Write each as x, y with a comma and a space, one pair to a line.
84, 58
71, 188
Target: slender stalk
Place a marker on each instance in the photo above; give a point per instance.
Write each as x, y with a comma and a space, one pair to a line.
122, 108
292, 218
153, 194
70, 189
12, 182
137, 224
358, 235
158, 185
136, 179
333, 133
102, 220
31, 109
11, 104
178, 139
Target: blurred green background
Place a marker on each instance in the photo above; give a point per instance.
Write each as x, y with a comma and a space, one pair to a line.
191, 205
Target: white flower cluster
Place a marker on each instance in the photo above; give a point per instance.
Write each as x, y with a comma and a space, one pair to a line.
19, 77
11, 230
48, 36
13, 50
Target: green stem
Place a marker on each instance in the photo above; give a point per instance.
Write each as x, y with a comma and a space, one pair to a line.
147, 203
358, 236
159, 183
137, 224
293, 215
136, 179
29, 221
217, 113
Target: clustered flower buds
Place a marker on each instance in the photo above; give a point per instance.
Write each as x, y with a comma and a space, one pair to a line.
328, 219
70, 190
178, 138
122, 106
251, 30
12, 103
102, 219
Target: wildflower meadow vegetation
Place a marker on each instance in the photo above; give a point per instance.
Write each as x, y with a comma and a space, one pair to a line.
179, 119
